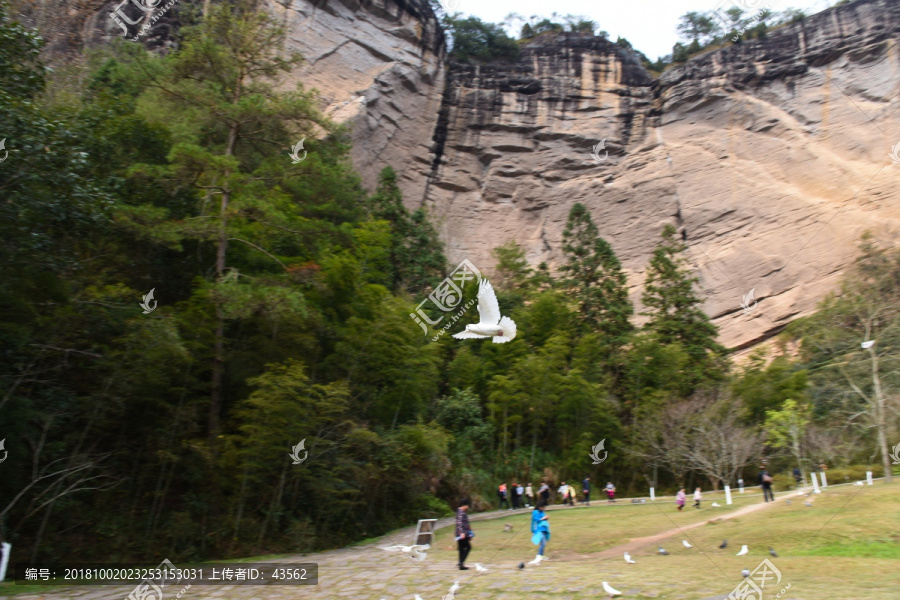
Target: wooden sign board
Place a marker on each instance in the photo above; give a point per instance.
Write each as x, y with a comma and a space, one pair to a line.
424, 531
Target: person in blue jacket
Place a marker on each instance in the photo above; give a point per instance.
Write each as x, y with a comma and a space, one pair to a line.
540, 529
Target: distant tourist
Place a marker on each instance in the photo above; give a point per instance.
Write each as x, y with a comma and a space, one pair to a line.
520, 494
540, 529
680, 499
529, 495
513, 496
610, 492
573, 493
765, 480
544, 493
797, 476
564, 492
586, 490
698, 496
501, 493
464, 533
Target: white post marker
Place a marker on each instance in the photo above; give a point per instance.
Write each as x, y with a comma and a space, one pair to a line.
815, 481
5, 549
824, 481
727, 495
869, 477
652, 496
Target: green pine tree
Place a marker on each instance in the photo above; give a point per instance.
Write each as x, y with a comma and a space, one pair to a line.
595, 278
674, 308
417, 256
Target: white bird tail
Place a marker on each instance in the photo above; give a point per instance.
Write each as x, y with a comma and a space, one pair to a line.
508, 327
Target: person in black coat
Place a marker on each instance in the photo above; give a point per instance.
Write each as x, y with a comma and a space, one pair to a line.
765, 480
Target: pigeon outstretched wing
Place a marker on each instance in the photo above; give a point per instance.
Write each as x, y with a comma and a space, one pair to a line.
488, 307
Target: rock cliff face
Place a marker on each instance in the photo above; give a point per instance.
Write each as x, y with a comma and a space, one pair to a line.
379, 66
771, 155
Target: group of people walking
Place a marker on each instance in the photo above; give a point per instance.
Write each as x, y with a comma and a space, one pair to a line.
515, 496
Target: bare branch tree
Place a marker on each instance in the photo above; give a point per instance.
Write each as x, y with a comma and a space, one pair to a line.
718, 446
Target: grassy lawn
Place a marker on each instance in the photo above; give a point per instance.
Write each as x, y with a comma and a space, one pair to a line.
847, 545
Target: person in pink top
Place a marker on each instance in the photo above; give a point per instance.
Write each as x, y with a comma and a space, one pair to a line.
680, 498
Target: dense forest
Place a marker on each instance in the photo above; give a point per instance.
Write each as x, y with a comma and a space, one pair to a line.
281, 312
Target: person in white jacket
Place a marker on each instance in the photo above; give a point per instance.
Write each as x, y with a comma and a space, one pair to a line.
697, 498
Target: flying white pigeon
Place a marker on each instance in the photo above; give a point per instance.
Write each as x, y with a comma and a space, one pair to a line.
418, 597
416, 552
628, 559
490, 324
743, 551
479, 568
686, 544
453, 589
610, 589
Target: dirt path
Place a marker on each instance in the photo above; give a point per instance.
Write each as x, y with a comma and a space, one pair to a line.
636, 543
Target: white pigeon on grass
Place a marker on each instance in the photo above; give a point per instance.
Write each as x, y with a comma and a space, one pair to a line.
686, 544
743, 551
716, 504
479, 568
610, 589
628, 559
453, 589
490, 323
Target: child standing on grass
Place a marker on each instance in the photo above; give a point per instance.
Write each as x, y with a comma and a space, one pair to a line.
697, 498
680, 498
540, 529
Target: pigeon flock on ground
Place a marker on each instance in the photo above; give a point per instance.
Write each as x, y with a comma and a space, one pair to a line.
419, 553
